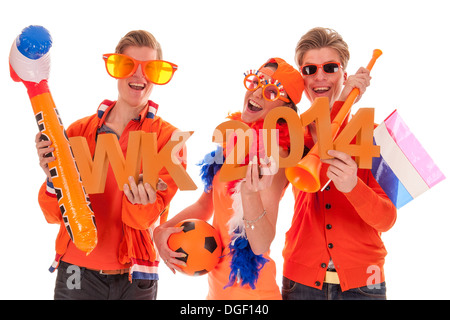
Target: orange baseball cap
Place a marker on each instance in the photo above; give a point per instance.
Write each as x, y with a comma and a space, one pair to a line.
289, 77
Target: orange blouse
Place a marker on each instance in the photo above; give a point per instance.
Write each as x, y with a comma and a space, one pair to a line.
218, 278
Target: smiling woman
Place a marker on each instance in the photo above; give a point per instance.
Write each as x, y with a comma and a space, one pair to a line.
245, 210
258, 100
265, 93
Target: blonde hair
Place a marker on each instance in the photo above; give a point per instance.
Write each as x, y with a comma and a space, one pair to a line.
319, 37
139, 38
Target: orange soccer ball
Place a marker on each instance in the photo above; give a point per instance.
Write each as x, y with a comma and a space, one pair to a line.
200, 242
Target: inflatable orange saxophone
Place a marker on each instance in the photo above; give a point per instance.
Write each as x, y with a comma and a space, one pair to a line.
305, 175
29, 62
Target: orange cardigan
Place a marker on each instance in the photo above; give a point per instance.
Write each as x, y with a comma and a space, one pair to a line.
346, 227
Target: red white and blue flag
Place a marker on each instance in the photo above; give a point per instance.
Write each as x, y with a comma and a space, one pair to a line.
404, 170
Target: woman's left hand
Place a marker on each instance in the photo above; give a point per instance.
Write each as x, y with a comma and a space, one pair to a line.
259, 177
142, 193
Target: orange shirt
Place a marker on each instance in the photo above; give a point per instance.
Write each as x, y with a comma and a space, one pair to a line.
345, 227
124, 229
106, 207
266, 286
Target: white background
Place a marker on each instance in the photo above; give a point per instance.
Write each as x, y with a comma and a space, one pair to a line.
213, 43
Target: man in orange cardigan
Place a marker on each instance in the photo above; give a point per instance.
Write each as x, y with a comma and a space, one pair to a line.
333, 249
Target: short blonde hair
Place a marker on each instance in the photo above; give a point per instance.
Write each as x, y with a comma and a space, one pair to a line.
319, 37
139, 38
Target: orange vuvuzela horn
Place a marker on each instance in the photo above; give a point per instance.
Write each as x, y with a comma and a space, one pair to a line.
305, 175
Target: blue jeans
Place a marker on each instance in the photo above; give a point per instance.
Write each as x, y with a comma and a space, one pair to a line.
78, 283
292, 290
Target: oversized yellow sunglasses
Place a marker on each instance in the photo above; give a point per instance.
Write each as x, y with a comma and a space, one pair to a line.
121, 66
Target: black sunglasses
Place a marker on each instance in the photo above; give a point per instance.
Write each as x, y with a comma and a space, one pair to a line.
329, 67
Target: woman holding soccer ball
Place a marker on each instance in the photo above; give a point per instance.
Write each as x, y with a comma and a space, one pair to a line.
244, 211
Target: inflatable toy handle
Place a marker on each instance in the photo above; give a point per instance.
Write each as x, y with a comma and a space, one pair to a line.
30, 63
